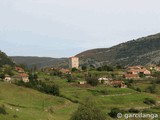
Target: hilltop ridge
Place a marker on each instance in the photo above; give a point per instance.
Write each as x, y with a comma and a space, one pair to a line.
145, 50
142, 51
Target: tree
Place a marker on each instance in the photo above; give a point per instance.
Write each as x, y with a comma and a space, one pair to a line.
74, 69
84, 67
2, 110
151, 89
70, 78
114, 112
149, 101
92, 80
88, 111
2, 76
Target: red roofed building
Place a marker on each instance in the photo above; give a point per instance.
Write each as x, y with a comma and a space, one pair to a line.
118, 83
19, 69
135, 67
24, 77
131, 76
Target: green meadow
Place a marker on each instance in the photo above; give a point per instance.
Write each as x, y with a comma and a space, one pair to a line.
27, 104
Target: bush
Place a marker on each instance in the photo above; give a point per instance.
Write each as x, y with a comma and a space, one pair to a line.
138, 89
88, 111
40, 86
2, 110
92, 80
151, 89
149, 101
74, 69
114, 112
84, 68
15, 116
70, 78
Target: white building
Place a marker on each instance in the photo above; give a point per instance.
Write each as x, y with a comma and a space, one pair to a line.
74, 62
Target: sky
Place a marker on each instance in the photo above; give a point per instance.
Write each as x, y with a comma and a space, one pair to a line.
64, 28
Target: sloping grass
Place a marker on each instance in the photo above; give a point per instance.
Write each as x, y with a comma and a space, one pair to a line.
115, 97
27, 104
33, 105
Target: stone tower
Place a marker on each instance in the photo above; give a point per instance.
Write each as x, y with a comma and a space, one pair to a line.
74, 62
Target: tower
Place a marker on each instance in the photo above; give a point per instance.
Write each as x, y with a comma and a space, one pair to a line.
74, 62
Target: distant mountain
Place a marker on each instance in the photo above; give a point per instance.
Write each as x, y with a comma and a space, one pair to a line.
5, 60
145, 50
40, 62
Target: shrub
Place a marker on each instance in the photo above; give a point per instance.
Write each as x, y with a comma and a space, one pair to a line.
151, 89
92, 80
70, 78
74, 69
84, 68
2, 110
149, 101
15, 116
40, 86
88, 111
114, 112
138, 89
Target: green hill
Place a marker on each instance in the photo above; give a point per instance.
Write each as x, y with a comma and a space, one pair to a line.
5, 60
26, 104
145, 50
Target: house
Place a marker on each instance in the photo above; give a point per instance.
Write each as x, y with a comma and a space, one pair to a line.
7, 78
65, 71
131, 76
105, 80
133, 71
138, 67
74, 62
82, 82
137, 71
118, 83
145, 71
24, 77
157, 68
19, 69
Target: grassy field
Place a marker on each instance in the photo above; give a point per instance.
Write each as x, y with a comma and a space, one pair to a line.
28, 104
106, 97
33, 105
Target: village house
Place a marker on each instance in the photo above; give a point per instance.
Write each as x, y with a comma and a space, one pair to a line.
24, 77
19, 69
133, 72
118, 83
138, 71
65, 71
82, 82
105, 80
131, 76
7, 78
156, 68
145, 71
138, 67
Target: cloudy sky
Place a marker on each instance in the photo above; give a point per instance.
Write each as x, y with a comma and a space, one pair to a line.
63, 28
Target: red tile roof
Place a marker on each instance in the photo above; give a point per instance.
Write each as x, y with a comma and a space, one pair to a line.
24, 75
